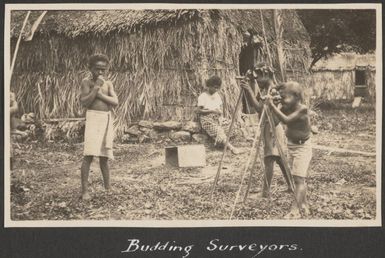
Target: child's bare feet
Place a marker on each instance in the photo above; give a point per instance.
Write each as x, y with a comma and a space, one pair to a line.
306, 210
288, 190
109, 191
86, 196
293, 214
265, 194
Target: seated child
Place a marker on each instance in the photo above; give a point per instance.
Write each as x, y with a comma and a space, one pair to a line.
210, 112
298, 132
271, 153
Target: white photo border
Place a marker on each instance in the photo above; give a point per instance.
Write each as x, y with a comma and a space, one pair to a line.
377, 222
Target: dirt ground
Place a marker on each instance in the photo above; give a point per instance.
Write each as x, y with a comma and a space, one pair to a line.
45, 184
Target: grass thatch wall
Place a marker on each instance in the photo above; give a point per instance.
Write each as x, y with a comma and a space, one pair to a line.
169, 66
158, 71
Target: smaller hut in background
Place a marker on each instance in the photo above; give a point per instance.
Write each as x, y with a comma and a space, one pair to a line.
343, 76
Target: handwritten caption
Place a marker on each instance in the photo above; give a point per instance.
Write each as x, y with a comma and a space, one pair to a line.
214, 245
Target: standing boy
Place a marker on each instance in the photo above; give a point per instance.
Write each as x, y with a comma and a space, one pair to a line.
271, 153
296, 117
98, 97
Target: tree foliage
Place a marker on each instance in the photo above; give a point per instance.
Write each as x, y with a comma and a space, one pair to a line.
334, 31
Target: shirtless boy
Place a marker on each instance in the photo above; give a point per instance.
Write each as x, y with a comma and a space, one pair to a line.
296, 117
98, 97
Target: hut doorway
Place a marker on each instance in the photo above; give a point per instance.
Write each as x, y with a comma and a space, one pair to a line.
360, 85
248, 59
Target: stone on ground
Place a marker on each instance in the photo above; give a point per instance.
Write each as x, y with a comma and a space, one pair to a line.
134, 130
180, 136
169, 125
146, 123
201, 138
192, 127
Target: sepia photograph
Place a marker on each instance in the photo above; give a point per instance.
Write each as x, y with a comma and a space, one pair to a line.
192, 115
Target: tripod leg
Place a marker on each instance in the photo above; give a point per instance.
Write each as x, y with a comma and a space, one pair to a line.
237, 105
253, 168
257, 139
258, 131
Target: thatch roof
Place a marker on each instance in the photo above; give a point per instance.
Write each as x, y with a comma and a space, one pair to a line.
160, 59
345, 61
76, 23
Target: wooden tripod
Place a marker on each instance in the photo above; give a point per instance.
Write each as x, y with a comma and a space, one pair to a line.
266, 114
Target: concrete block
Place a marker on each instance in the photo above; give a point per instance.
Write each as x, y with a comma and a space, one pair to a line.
186, 155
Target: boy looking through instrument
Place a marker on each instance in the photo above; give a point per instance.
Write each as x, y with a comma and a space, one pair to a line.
298, 132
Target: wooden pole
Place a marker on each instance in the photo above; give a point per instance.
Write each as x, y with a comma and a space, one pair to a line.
17, 46
256, 143
262, 121
278, 28
267, 46
237, 105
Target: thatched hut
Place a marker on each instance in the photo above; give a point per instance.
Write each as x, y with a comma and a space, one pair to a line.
159, 58
344, 76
